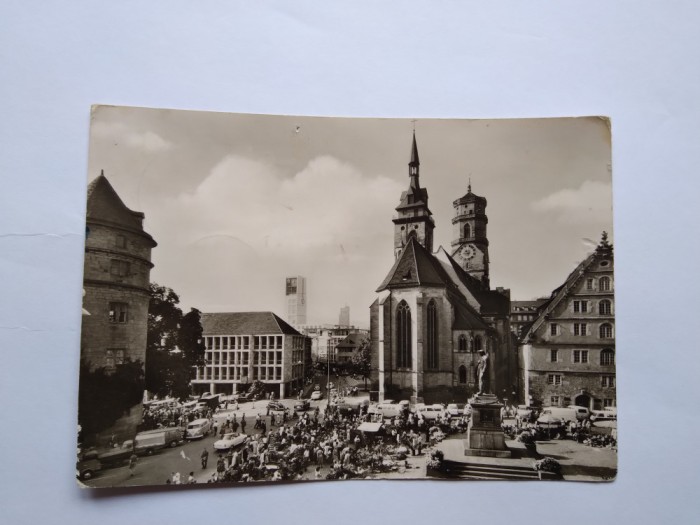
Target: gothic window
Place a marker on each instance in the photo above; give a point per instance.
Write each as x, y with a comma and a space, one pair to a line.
462, 343
478, 343
462, 375
604, 307
403, 339
607, 357
432, 335
467, 231
606, 331
604, 284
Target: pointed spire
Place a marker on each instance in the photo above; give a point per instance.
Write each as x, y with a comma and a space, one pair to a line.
102, 173
414, 165
469, 187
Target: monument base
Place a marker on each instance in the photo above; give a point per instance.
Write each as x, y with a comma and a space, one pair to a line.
485, 437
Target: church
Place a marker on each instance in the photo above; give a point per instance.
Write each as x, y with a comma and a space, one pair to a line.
435, 310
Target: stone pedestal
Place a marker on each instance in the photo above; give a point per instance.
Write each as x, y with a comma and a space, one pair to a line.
485, 436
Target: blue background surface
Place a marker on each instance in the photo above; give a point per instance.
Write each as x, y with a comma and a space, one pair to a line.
636, 62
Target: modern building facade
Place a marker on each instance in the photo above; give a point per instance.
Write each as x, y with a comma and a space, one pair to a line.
344, 318
242, 347
435, 312
568, 352
295, 292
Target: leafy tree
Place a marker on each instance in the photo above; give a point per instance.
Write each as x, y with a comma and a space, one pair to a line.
362, 360
174, 344
105, 396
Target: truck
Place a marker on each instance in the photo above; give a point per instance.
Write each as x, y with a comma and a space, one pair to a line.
151, 440
113, 457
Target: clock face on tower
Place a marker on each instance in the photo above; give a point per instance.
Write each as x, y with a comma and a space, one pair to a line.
467, 252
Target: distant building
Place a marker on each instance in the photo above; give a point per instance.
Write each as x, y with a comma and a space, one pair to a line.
523, 313
295, 291
242, 347
346, 349
325, 339
568, 352
115, 286
344, 319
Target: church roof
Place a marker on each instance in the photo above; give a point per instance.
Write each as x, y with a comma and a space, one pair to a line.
105, 205
470, 197
420, 199
415, 266
245, 323
466, 318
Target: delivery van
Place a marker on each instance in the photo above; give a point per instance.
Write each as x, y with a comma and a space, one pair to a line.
151, 440
554, 416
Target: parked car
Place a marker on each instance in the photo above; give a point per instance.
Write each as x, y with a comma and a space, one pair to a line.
555, 417
582, 413
197, 429
230, 440
455, 409
431, 412
302, 405
603, 415
276, 406
316, 395
117, 455
87, 466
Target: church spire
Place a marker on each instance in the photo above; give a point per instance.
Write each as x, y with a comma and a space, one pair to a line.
414, 165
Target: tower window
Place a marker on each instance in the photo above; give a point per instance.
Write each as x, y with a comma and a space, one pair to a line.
432, 335
118, 312
403, 340
467, 231
120, 241
119, 268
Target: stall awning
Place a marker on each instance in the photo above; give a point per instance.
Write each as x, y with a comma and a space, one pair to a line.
369, 427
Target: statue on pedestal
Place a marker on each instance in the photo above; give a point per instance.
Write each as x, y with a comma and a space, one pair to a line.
483, 372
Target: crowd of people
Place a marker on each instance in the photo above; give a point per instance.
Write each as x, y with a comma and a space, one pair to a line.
325, 444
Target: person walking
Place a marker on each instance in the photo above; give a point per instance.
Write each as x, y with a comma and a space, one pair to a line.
243, 424
204, 458
132, 464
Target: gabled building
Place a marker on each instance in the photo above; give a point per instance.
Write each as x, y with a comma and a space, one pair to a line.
242, 347
568, 352
435, 311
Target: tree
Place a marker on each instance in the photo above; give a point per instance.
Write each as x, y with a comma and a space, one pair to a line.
362, 360
105, 396
174, 344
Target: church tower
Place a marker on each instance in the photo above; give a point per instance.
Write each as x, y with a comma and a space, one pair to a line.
414, 218
470, 246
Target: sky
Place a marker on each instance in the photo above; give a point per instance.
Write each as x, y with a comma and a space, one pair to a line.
238, 202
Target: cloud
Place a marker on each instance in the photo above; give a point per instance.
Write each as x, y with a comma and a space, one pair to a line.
328, 203
119, 133
591, 202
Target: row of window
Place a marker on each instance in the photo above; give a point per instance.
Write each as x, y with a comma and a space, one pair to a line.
607, 356
557, 401
242, 358
263, 373
114, 357
604, 307
604, 284
469, 345
263, 342
606, 381
605, 330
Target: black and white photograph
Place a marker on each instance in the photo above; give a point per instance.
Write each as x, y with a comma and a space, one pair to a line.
291, 298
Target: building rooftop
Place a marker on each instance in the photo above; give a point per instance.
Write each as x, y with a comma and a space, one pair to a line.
245, 323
